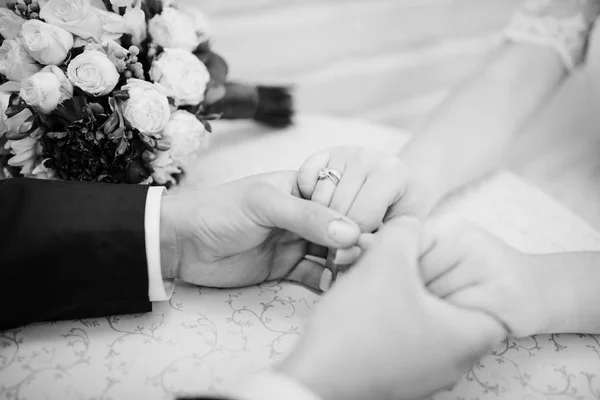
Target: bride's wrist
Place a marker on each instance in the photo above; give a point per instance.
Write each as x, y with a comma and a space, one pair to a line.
425, 186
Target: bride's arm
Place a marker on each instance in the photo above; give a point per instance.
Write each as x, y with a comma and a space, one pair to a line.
468, 134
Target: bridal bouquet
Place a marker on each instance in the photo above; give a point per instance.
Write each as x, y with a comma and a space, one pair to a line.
121, 92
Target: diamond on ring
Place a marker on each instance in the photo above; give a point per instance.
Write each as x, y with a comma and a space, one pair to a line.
330, 173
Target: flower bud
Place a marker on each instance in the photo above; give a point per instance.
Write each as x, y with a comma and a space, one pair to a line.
96, 108
148, 141
122, 147
111, 123
148, 156
163, 145
27, 126
117, 133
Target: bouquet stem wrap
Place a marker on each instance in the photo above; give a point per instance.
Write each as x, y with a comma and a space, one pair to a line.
270, 105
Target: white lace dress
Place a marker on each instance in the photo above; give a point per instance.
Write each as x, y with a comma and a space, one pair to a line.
564, 25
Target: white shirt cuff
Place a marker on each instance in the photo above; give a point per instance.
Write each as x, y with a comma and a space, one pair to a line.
159, 289
270, 386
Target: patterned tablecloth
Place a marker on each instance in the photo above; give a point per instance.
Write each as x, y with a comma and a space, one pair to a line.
202, 338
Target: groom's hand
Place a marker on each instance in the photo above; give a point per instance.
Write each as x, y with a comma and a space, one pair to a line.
248, 231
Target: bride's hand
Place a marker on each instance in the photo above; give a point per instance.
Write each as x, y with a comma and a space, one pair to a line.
374, 186
379, 334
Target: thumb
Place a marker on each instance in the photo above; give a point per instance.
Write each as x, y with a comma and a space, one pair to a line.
312, 221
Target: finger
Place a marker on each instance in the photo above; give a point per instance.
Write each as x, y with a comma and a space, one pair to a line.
308, 273
325, 187
379, 192
395, 249
316, 250
347, 256
311, 221
366, 240
348, 189
309, 172
455, 279
440, 254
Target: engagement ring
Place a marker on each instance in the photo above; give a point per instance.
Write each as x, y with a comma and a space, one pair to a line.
331, 174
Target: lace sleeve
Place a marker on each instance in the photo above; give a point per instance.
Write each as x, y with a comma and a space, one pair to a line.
563, 25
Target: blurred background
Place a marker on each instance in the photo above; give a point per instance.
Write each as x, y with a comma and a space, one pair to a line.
392, 61
388, 61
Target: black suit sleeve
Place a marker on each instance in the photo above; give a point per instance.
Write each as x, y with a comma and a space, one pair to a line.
71, 250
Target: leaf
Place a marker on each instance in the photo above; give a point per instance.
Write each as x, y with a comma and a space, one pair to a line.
121, 94
207, 126
123, 145
71, 110
212, 117
117, 133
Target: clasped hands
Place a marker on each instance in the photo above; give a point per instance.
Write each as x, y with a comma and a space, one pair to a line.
391, 327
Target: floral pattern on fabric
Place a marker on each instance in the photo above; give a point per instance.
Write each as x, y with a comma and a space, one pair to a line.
203, 338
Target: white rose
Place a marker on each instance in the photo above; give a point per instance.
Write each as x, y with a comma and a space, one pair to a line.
147, 109
4, 98
121, 3
15, 62
163, 168
170, 3
10, 24
201, 24
186, 134
113, 25
175, 28
46, 89
75, 16
93, 72
47, 44
182, 74
135, 20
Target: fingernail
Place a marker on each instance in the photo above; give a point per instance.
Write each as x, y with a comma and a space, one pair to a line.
366, 240
326, 278
343, 231
347, 256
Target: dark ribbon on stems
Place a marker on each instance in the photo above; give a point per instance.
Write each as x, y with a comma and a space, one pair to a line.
270, 105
